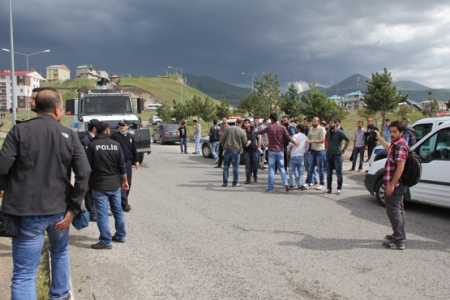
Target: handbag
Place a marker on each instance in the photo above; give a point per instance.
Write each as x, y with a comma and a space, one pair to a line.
9, 225
81, 220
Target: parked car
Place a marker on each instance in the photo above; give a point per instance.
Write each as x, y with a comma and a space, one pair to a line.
206, 146
155, 120
422, 128
434, 185
166, 133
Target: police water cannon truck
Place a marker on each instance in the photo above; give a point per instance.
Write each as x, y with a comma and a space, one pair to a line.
109, 106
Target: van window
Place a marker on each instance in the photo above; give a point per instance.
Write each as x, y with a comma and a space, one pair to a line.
436, 147
422, 130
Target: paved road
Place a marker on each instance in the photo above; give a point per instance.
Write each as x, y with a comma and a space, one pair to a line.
190, 238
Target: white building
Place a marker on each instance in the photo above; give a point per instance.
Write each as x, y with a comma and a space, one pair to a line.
26, 81
353, 100
57, 73
86, 72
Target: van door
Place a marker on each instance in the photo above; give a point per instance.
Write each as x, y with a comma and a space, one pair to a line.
434, 185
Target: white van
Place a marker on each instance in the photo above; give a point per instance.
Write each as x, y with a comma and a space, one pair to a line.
434, 185
153, 106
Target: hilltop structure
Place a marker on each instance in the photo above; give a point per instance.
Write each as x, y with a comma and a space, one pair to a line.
26, 82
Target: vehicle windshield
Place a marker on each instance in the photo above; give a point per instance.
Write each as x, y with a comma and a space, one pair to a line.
171, 127
107, 105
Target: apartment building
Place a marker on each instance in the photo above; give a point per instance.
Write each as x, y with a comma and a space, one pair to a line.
26, 81
57, 73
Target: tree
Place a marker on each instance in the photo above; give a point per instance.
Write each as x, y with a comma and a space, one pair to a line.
223, 110
208, 110
403, 111
381, 95
250, 103
431, 107
164, 112
194, 106
316, 104
179, 111
448, 104
268, 93
290, 103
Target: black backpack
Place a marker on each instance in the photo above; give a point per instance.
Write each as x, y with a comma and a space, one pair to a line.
413, 169
412, 136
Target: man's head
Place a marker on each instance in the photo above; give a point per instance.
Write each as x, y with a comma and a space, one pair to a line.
306, 121
256, 122
387, 122
405, 122
49, 103
396, 129
315, 121
239, 122
332, 123
300, 128
124, 125
338, 122
323, 124
183, 124
247, 123
224, 121
103, 127
195, 122
273, 117
369, 121
360, 124
34, 93
265, 121
91, 126
286, 120
215, 121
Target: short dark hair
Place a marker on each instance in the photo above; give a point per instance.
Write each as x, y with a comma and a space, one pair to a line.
287, 117
334, 120
397, 124
274, 117
247, 120
301, 127
307, 119
40, 89
264, 120
387, 120
338, 120
101, 127
361, 122
195, 121
47, 102
184, 122
215, 121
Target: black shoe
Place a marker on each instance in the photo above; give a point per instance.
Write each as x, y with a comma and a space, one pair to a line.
93, 218
255, 179
218, 167
127, 208
224, 184
247, 182
117, 240
394, 245
100, 246
327, 192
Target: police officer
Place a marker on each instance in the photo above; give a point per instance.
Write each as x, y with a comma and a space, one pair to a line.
85, 141
126, 141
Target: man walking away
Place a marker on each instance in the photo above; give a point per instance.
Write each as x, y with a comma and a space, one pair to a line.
181, 133
334, 155
85, 141
197, 136
223, 128
126, 141
371, 137
386, 131
276, 133
316, 138
38, 157
234, 140
108, 178
395, 189
409, 134
359, 146
297, 157
214, 141
264, 144
251, 153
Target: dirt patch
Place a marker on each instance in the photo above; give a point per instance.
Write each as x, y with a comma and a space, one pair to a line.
6, 266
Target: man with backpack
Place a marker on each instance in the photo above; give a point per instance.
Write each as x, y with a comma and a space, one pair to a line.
409, 134
398, 153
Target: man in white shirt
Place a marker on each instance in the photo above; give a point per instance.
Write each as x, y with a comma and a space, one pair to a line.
297, 157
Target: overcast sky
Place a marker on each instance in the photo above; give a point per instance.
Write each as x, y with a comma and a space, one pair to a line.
301, 40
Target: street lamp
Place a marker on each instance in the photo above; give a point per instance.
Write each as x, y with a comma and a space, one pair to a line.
13, 77
181, 83
44, 51
252, 79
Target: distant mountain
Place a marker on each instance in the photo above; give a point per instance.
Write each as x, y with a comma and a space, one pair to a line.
410, 86
354, 83
217, 89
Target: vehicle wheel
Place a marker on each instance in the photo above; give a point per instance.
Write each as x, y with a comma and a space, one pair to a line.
154, 140
161, 141
206, 151
141, 158
380, 155
380, 192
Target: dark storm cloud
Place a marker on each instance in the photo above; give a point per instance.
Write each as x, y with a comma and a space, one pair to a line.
322, 41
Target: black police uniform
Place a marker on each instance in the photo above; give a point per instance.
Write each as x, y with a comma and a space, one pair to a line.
88, 201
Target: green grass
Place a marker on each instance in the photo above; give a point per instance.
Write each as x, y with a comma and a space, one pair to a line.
43, 275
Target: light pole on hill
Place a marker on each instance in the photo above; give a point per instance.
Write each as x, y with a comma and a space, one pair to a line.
252, 79
181, 83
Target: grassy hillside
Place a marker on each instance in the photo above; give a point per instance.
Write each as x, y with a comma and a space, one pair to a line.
164, 89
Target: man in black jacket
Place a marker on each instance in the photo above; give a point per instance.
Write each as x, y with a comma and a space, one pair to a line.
126, 141
38, 158
371, 137
85, 140
214, 141
108, 178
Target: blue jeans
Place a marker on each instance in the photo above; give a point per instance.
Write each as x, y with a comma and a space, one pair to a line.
278, 158
251, 164
360, 151
26, 253
197, 143
334, 162
317, 158
101, 200
183, 145
215, 150
233, 157
296, 163
307, 161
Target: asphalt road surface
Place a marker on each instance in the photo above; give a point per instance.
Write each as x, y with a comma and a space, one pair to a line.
190, 238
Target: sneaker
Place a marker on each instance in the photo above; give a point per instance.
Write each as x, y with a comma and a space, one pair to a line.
127, 208
93, 218
286, 188
100, 246
304, 187
293, 187
218, 167
390, 237
320, 187
339, 192
394, 245
237, 185
117, 240
313, 183
327, 192
224, 184
247, 182
194, 152
359, 170
352, 169
255, 179
216, 161
269, 191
